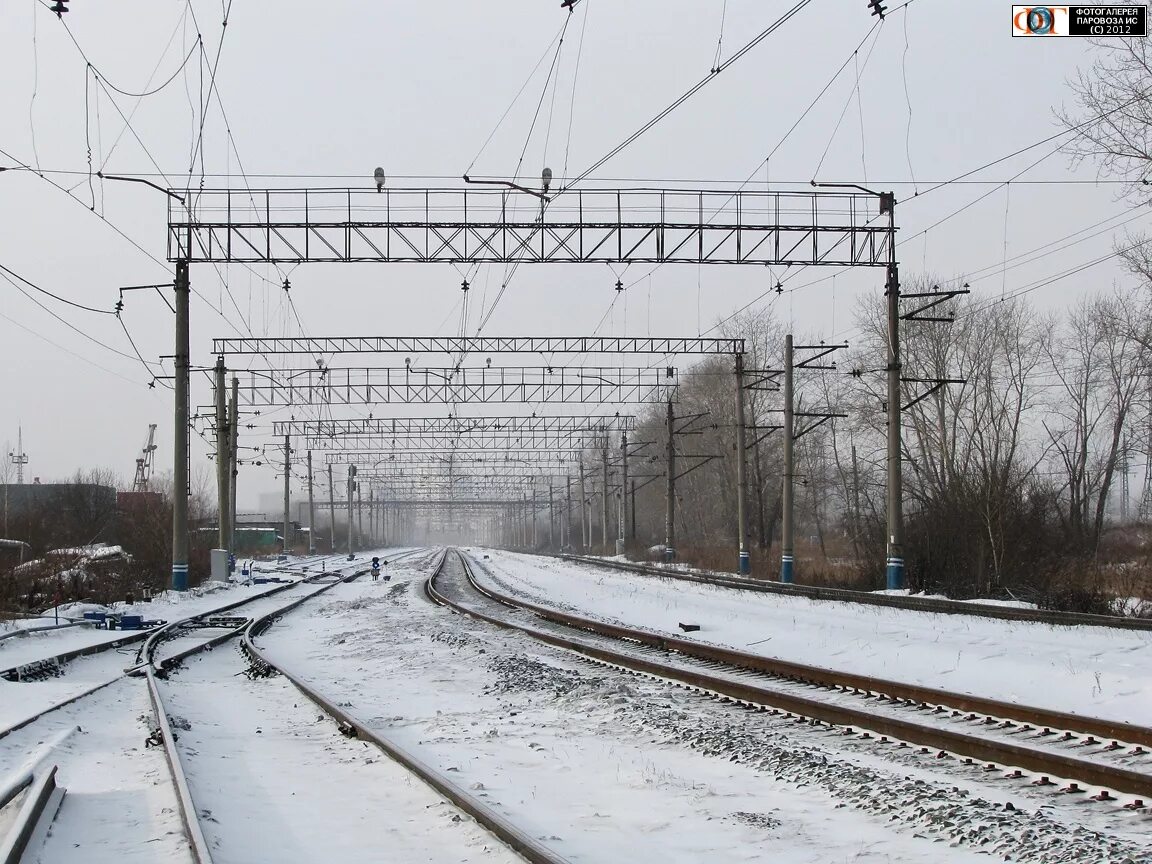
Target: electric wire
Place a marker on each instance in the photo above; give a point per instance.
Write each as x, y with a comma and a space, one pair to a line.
57, 297
68, 350
764, 34
64, 321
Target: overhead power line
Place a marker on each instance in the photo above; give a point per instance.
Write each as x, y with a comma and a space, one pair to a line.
692, 91
57, 297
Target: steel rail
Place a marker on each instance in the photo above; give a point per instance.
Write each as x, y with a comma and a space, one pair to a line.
918, 604
42, 800
135, 668
518, 840
1042, 717
17, 673
201, 852
960, 744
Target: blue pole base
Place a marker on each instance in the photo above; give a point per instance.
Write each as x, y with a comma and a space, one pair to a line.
179, 577
669, 554
745, 563
895, 574
786, 569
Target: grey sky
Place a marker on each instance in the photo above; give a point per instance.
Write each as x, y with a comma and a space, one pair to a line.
340, 87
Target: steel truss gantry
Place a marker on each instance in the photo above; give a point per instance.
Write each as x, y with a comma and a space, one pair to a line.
482, 442
446, 459
400, 426
467, 225
317, 346
519, 385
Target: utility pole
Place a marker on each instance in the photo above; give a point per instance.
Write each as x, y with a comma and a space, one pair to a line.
620, 520
331, 511
670, 492
745, 560
787, 542
855, 504
180, 364
233, 463
632, 498
351, 489
360, 511
311, 511
566, 525
604, 508
223, 461
287, 492
585, 533
551, 518
895, 568
624, 535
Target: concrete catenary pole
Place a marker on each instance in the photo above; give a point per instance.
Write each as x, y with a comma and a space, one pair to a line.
223, 461
787, 551
287, 494
624, 489
331, 511
604, 500
585, 524
351, 490
745, 560
311, 510
360, 511
895, 569
233, 461
670, 490
180, 447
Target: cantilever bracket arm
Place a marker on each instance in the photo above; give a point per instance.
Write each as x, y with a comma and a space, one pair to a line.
167, 192
762, 379
822, 351
937, 384
704, 460
938, 297
767, 433
509, 184
820, 421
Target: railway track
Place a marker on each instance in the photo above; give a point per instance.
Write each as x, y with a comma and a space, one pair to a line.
917, 604
162, 650
116, 671
52, 665
514, 838
1063, 752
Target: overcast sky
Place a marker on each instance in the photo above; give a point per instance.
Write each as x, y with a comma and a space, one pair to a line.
334, 89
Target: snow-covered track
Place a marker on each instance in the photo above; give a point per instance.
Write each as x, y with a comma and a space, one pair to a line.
151, 640
844, 595
516, 839
201, 852
989, 732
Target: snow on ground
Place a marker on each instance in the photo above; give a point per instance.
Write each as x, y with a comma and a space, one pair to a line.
1096, 671
21, 699
605, 767
277, 782
120, 806
166, 606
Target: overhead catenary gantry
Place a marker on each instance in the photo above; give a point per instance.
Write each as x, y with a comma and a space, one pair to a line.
318, 346
420, 426
850, 226
558, 459
469, 226
523, 385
